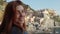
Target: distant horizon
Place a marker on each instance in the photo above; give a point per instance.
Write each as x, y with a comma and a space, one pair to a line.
43, 4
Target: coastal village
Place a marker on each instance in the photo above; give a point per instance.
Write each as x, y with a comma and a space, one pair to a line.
42, 20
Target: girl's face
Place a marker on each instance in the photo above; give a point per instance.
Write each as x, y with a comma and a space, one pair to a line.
20, 8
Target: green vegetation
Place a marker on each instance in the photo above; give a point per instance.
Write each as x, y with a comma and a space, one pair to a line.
56, 18
2, 6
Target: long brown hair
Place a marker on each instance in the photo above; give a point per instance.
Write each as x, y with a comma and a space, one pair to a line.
10, 11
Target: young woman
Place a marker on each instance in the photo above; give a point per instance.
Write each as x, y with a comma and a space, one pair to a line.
14, 19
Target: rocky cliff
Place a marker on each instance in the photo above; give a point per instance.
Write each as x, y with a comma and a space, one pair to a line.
38, 20
42, 20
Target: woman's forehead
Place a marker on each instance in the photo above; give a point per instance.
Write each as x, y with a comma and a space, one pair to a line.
20, 7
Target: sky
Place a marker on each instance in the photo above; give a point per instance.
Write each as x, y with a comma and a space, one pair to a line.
43, 4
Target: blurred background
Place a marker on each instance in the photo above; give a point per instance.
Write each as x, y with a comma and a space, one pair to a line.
37, 21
